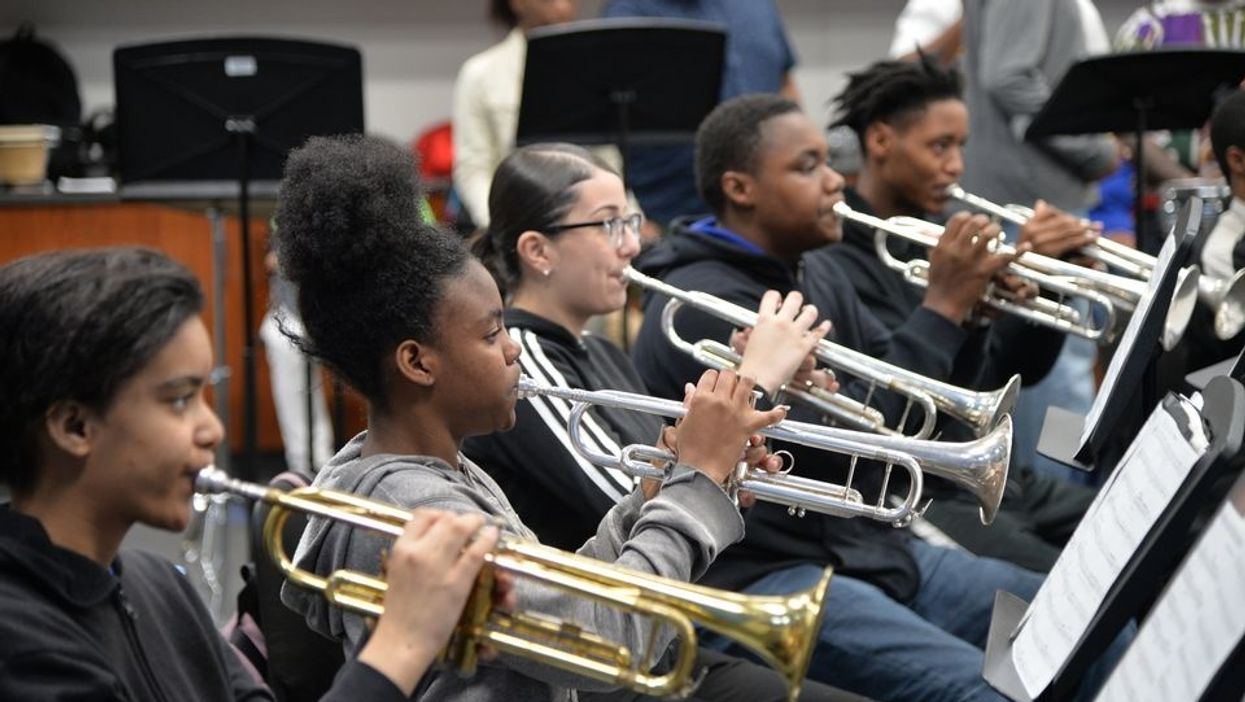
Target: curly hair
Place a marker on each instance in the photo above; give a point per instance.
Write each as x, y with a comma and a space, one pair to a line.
893, 92
728, 138
533, 189
369, 273
1227, 128
79, 324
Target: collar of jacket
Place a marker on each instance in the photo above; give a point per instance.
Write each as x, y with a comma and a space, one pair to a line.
26, 550
682, 247
545, 328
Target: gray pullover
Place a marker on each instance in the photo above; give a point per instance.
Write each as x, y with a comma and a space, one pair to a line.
1015, 53
676, 535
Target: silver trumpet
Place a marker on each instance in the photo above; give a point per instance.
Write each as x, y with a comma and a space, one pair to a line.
979, 466
979, 410
1056, 315
1225, 298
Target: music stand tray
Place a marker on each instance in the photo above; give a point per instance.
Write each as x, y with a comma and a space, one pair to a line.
1062, 429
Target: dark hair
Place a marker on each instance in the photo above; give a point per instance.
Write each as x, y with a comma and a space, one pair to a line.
77, 325
728, 138
533, 189
1227, 128
369, 273
500, 11
892, 92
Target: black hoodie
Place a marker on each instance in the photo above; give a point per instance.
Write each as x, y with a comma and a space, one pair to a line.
926, 343
560, 495
70, 629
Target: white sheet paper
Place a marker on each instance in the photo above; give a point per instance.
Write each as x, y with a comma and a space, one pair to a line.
1195, 625
1127, 340
1142, 486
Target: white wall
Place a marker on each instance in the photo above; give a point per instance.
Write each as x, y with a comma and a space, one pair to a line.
412, 48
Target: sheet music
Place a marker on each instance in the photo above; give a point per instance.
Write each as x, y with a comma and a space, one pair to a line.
1194, 626
1128, 340
1125, 510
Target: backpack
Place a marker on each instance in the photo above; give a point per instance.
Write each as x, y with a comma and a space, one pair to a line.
38, 86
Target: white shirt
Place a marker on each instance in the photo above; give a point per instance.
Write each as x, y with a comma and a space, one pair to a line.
920, 22
1217, 252
486, 118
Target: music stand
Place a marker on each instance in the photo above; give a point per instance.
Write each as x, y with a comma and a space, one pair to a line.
1137, 92
194, 112
1063, 436
1151, 563
620, 81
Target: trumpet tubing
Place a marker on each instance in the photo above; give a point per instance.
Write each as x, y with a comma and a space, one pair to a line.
980, 410
1047, 273
782, 630
979, 466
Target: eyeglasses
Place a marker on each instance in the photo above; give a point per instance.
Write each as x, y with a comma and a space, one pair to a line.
615, 227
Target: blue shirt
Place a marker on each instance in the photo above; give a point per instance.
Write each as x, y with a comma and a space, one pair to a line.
758, 58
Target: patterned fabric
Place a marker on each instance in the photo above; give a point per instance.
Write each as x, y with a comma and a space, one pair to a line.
1159, 26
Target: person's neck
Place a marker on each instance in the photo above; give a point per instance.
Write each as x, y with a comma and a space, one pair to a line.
73, 523
882, 198
542, 301
1237, 186
743, 224
417, 431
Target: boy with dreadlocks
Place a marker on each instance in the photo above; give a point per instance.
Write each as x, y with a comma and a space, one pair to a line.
912, 125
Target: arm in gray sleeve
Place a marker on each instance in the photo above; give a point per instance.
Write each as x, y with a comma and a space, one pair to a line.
677, 535
1015, 34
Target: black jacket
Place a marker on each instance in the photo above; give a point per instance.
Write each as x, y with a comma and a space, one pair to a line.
926, 344
70, 629
561, 496
1008, 346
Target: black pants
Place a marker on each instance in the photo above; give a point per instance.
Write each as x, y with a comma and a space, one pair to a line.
1038, 515
730, 679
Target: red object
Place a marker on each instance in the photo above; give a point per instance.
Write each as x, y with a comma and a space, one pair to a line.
435, 149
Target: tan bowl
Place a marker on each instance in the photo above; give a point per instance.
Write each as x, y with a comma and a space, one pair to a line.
24, 150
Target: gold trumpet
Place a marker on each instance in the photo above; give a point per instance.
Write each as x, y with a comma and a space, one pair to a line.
782, 630
981, 411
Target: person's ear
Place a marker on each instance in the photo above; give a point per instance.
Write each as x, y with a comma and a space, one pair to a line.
879, 140
536, 252
739, 188
69, 427
1235, 157
416, 363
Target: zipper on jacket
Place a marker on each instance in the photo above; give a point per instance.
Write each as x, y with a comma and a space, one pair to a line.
128, 617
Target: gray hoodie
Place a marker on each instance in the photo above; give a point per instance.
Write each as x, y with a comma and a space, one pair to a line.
676, 535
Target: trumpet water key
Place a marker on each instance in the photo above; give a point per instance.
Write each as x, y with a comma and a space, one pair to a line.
978, 466
781, 630
980, 410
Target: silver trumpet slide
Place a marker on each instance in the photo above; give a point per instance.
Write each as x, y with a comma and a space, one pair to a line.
979, 466
979, 410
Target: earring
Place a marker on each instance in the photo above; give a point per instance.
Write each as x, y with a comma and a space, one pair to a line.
546, 272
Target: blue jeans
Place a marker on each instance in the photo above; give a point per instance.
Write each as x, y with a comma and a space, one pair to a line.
929, 650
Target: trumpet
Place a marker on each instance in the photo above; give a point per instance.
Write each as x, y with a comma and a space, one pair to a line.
1225, 298
982, 411
1062, 317
978, 466
782, 630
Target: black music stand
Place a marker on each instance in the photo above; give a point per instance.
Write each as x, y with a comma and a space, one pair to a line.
230, 109
1137, 92
620, 81
1150, 565
1135, 383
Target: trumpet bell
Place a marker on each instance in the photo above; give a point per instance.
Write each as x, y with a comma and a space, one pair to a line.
1230, 307
1184, 301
